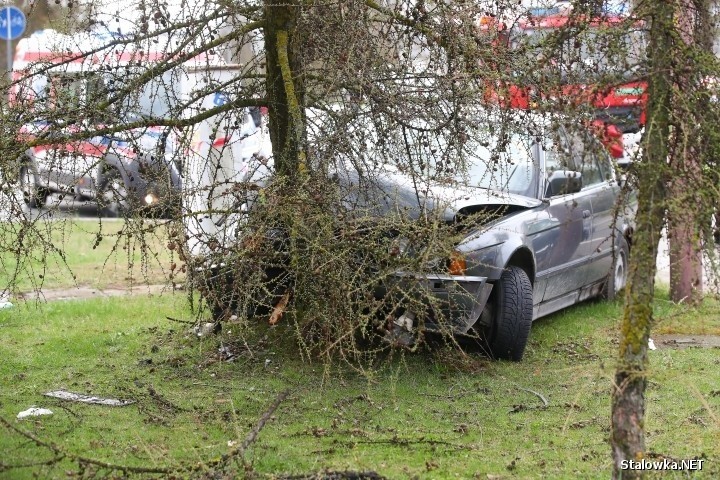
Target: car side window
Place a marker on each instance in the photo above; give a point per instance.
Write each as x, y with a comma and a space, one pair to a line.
77, 94
606, 168
556, 159
589, 168
587, 158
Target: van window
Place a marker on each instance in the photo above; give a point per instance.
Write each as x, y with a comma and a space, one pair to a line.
155, 99
78, 95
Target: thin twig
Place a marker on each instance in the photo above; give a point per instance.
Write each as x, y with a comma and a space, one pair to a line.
8, 466
406, 441
704, 402
187, 322
239, 451
252, 435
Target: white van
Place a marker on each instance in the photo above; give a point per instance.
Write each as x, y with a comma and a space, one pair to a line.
86, 90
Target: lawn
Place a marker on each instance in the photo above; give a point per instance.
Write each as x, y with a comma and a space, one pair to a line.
434, 414
66, 253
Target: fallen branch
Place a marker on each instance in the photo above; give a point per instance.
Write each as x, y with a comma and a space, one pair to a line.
404, 442
61, 453
252, 435
8, 466
345, 475
239, 451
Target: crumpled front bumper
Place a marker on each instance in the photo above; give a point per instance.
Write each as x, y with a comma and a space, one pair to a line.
454, 301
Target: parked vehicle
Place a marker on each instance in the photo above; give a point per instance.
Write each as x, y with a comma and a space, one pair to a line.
542, 230
66, 86
588, 47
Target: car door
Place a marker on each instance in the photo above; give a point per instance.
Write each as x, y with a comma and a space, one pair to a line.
73, 164
603, 195
563, 261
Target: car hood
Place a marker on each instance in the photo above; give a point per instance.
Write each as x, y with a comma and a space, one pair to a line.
393, 193
458, 199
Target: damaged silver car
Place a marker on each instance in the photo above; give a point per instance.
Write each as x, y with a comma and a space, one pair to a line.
556, 230
540, 223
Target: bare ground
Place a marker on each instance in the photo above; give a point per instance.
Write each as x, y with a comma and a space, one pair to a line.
686, 341
86, 292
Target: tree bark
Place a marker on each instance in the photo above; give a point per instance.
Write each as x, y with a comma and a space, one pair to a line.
684, 224
628, 396
285, 90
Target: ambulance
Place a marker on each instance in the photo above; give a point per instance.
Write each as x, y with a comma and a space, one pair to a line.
111, 119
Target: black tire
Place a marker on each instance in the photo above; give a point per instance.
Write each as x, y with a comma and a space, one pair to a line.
33, 196
113, 197
512, 307
617, 277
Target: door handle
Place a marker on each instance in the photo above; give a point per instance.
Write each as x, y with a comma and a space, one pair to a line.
586, 213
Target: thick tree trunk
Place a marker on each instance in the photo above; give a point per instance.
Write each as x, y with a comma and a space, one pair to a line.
685, 245
285, 90
628, 398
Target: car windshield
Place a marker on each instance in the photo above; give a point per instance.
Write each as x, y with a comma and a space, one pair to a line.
507, 166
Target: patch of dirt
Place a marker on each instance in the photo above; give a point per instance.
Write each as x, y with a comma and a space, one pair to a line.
686, 341
85, 292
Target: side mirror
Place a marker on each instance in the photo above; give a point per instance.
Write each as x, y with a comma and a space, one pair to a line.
563, 182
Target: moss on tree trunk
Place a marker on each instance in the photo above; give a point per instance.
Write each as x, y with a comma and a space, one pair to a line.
285, 90
628, 396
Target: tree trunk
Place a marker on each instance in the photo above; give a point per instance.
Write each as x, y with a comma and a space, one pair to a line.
628, 396
684, 242
285, 90
684, 224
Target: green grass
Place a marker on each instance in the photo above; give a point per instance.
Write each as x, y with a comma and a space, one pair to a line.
68, 253
434, 414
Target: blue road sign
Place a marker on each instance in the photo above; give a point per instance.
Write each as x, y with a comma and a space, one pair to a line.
12, 23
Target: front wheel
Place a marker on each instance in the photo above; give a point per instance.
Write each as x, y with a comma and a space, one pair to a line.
33, 196
113, 194
512, 310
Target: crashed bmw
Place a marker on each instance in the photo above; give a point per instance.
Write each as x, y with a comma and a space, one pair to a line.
556, 230
540, 223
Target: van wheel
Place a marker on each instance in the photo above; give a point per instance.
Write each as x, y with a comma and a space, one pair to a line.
113, 194
33, 196
512, 311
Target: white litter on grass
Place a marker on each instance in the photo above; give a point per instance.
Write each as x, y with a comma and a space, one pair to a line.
651, 344
205, 329
78, 397
5, 303
34, 412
